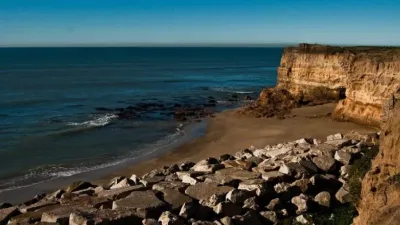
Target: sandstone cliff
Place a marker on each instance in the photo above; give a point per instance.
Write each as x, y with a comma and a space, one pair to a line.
369, 76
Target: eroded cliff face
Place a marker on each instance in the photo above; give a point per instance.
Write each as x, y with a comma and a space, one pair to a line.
369, 75
380, 195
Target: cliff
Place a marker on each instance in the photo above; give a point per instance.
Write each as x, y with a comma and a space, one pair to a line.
368, 76
380, 193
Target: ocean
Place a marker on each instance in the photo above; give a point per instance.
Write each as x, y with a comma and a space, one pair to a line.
60, 108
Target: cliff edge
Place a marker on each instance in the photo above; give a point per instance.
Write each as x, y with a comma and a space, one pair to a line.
365, 77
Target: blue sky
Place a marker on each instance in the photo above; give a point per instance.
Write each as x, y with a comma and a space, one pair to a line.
96, 22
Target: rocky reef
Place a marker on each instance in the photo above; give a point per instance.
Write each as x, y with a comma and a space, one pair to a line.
364, 78
294, 182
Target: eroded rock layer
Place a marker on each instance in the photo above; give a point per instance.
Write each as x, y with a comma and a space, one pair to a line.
369, 75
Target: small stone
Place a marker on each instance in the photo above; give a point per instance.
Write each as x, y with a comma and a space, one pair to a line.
343, 157
168, 218
325, 163
343, 195
333, 137
189, 180
135, 178
303, 184
227, 208
282, 188
251, 203
226, 157
55, 195
208, 165
344, 171
187, 210
226, 221
303, 220
185, 166
241, 164
270, 216
248, 218
244, 154
283, 213
259, 186
323, 199
238, 196
301, 203
274, 204
122, 183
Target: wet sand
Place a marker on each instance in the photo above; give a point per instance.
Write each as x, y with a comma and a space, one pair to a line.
229, 132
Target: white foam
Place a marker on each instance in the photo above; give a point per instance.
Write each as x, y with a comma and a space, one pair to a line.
230, 90
97, 122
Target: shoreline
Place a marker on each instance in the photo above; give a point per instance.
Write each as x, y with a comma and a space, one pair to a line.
226, 133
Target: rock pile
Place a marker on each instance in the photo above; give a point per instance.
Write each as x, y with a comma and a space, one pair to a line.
255, 186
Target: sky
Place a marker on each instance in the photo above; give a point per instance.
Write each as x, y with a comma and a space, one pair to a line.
193, 22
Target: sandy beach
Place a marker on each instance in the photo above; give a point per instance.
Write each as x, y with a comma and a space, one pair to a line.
229, 132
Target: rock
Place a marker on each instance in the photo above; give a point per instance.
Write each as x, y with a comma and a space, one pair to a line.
325, 183
193, 174
88, 191
123, 183
325, 163
244, 154
293, 169
120, 192
172, 177
115, 181
323, 149
99, 189
303, 184
175, 199
189, 180
301, 202
273, 176
61, 214
226, 221
212, 201
135, 179
27, 218
37, 206
283, 213
203, 191
333, 137
282, 187
303, 220
144, 202
344, 171
187, 210
55, 195
150, 181
274, 204
89, 201
227, 208
7, 213
177, 185
5, 205
78, 185
238, 174
323, 199
150, 222
106, 216
258, 186
238, 196
339, 143
185, 166
251, 203
270, 216
343, 194
343, 157
226, 157
222, 180
260, 153
241, 164
168, 218
276, 152
309, 165
247, 219
208, 165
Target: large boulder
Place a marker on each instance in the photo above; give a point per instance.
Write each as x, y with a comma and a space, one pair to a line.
145, 203
38, 205
7, 213
106, 216
325, 163
175, 198
259, 186
203, 191
177, 185
238, 196
120, 192
207, 165
78, 185
227, 208
62, 214
238, 174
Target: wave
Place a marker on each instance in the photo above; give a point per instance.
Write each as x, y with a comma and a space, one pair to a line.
97, 122
230, 90
50, 172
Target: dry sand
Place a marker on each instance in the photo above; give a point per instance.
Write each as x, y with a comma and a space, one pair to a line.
229, 132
